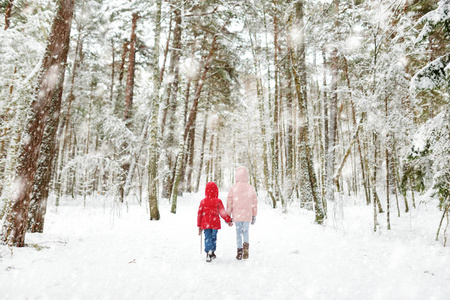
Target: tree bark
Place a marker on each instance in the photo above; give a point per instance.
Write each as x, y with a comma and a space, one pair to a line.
169, 118
388, 183
50, 84
38, 205
131, 70
308, 182
154, 129
276, 126
128, 106
202, 152
8, 10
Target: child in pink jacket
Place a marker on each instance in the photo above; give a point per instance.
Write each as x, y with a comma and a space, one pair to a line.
242, 206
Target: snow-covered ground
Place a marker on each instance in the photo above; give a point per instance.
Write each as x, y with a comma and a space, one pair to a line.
104, 252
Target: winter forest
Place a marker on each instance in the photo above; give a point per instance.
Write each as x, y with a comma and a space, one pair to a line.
116, 113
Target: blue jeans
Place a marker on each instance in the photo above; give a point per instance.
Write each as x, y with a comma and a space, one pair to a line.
210, 239
241, 232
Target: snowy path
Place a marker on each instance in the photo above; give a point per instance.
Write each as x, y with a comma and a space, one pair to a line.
96, 254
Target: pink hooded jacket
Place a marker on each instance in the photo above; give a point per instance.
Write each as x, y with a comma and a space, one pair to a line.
242, 204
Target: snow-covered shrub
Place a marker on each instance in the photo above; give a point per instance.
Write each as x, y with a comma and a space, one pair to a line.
430, 155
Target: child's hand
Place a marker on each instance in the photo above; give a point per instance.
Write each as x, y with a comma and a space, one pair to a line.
230, 224
199, 231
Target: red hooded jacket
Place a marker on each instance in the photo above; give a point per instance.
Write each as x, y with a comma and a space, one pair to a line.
210, 209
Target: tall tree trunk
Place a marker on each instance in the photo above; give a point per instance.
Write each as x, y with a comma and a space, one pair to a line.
154, 130
308, 179
123, 61
332, 108
210, 165
202, 152
271, 187
276, 126
388, 183
190, 161
38, 205
113, 72
376, 199
127, 112
50, 84
169, 118
388, 213
326, 143
131, 70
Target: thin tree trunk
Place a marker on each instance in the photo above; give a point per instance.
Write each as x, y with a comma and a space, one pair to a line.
412, 192
331, 155
122, 65
169, 111
8, 10
166, 50
202, 153
394, 178
154, 130
442, 218
332, 109
50, 85
113, 71
131, 70
326, 142
210, 165
375, 172
388, 211
276, 126
190, 161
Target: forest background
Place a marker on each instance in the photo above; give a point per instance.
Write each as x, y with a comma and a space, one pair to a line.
328, 104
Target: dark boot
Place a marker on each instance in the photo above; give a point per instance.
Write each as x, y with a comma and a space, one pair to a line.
213, 255
239, 254
246, 245
208, 256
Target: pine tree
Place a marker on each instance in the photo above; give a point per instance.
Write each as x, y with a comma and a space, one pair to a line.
50, 85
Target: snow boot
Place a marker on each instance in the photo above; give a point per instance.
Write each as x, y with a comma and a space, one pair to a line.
209, 256
239, 254
246, 245
213, 255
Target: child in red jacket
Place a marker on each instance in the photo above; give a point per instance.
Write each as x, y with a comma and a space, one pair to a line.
208, 218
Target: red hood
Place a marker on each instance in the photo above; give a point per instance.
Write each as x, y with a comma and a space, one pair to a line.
211, 190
